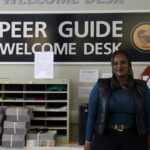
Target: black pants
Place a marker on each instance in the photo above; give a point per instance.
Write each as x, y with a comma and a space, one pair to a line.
114, 140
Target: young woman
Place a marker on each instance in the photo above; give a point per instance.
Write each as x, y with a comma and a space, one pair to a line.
119, 110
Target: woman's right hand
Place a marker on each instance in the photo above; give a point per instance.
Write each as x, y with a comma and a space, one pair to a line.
88, 146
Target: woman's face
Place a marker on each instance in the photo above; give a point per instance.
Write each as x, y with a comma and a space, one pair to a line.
120, 65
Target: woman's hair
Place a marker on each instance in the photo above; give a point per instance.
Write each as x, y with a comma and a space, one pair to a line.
128, 59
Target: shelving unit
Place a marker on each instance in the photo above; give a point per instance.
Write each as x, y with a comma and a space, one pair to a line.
48, 98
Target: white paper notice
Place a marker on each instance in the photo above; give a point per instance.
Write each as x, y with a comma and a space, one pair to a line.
84, 92
106, 75
147, 79
89, 75
43, 65
148, 83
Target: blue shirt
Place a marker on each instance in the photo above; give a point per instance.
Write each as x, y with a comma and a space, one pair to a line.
121, 109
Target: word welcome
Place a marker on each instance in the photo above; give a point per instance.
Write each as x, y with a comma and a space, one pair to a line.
64, 49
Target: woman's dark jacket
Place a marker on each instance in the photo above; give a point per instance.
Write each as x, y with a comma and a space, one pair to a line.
105, 92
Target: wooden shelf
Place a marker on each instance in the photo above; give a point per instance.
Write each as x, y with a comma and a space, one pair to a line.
49, 100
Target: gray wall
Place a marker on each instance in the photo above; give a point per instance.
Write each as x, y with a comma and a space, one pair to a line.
25, 73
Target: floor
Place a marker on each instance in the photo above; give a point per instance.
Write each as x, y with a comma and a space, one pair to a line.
64, 147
